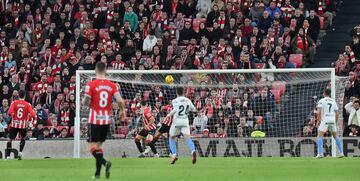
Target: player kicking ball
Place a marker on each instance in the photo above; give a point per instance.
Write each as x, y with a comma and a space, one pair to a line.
180, 113
164, 128
328, 115
21, 112
98, 95
149, 127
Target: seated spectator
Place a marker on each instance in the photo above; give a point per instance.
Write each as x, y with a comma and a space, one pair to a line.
63, 133
38, 132
354, 131
342, 65
199, 123
310, 130
48, 97
303, 44
203, 7
4, 110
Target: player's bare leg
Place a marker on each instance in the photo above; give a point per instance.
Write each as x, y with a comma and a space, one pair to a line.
95, 148
22, 145
172, 145
191, 146
320, 145
138, 139
338, 144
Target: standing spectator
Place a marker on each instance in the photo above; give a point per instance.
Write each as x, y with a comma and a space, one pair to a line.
272, 9
200, 123
41, 114
66, 116
265, 23
203, 7
243, 129
3, 126
132, 18
4, 110
256, 12
353, 109
314, 25
303, 44
48, 97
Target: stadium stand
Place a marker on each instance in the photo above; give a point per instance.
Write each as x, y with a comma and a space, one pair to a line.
44, 42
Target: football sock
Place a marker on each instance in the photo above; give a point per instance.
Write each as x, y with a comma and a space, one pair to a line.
339, 145
22, 145
138, 145
191, 145
320, 146
8, 147
153, 148
99, 156
172, 145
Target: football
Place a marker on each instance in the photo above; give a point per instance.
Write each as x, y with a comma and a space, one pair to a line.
169, 79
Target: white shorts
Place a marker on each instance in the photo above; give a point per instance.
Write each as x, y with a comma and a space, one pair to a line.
176, 130
324, 126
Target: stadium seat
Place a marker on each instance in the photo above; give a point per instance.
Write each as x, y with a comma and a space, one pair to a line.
123, 130
279, 85
260, 65
321, 22
296, 59
72, 130
121, 136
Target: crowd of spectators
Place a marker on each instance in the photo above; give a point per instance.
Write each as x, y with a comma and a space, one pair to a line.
44, 42
348, 65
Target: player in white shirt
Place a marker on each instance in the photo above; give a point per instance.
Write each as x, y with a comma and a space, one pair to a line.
182, 106
327, 115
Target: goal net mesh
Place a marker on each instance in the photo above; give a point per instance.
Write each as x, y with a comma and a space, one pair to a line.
236, 104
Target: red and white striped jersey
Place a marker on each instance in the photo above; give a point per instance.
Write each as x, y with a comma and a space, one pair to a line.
118, 65
21, 113
147, 116
101, 93
168, 121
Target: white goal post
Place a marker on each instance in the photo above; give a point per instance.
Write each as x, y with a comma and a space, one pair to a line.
293, 77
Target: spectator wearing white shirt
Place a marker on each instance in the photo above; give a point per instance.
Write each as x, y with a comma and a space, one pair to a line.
3, 126
353, 109
149, 42
204, 7
200, 123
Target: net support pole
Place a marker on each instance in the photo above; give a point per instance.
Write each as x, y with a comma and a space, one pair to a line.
333, 96
77, 118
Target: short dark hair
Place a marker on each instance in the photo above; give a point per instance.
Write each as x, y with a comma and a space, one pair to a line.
100, 67
21, 94
356, 101
327, 92
180, 91
143, 103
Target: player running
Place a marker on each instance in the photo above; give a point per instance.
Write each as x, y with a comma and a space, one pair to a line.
149, 127
164, 128
328, 115
98, 95
181, 108
21, 112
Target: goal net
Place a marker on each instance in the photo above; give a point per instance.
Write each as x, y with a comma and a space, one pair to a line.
241, 112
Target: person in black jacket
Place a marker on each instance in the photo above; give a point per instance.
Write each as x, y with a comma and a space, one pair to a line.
314, 27
187, 33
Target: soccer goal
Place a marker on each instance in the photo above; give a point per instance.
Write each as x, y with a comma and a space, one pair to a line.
260, 112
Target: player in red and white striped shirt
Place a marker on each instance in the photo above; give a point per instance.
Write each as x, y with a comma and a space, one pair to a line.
165, 127
148, 129
98, 95
21, 113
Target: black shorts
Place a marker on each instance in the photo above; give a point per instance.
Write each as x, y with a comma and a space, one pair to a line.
14, 131
144, 133
164, 128
97, 133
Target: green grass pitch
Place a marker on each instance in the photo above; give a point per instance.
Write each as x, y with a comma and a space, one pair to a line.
207, 169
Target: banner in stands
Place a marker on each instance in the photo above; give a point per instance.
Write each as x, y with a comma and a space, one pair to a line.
206, 147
